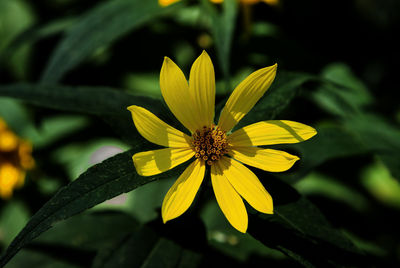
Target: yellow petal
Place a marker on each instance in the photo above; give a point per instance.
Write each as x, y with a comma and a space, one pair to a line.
181, 195
9, 179
265, 159
271, 132
175, 91
26, 160
165, 3
246, 184
3, 125
202, 89
245, 96
8, 141
228, 199
158, 161
157, 131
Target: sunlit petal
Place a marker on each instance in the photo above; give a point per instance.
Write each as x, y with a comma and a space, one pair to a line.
156, 131
265, 159
181, 195
202, 89
228, 199
245, 96
271, 132
175, 91
157, 161
247, 185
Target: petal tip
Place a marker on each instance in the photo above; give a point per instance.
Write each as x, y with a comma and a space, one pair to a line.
204, 53
166, 217
272, 68
131, 108
167, 60
313, 132
272, 212
242, 229
164, 220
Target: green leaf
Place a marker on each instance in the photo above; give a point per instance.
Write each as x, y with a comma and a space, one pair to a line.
379, 136
145, 248
15, 17
109, 104
222, 29
16, 116
338, 100
228, 240
89, 231
76, 240
101, 182
299, 229
87, 100
98, 28
350, 86
36, 33
331, 142
13, 217
33, 258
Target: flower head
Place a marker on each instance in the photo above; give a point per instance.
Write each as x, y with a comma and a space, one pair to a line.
213, 145
15, 159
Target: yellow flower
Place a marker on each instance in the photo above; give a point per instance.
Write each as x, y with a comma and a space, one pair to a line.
15, 159
270, 2
214, 146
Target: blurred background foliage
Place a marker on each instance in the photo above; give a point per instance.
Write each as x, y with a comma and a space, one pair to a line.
69, 69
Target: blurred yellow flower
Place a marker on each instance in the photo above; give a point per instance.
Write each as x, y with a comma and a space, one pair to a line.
214, 146
15, 159
269, 2
165, 3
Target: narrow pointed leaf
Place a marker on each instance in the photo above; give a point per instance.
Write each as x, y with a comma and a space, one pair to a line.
101, 182
299, 229
102, 25
222, 29
107, 103
146, 248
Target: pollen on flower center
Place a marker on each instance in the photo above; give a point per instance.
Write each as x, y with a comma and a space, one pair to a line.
210, 144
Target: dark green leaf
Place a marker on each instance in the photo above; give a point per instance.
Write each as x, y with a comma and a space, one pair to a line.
222, 28
380, 137
38, 259
88, 100
331, 142
89, 231
145, 248
103, 181
340, 92
109, 104
299, 229
98, 28
36, 33
338, 100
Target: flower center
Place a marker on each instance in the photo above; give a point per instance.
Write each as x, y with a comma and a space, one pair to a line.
210, 144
